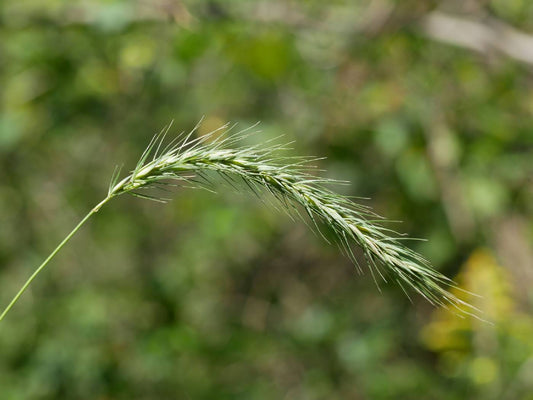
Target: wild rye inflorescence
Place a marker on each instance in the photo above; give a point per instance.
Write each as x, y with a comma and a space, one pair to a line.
188, 161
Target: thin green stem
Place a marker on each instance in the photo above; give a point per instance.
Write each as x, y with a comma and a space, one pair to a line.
52, 254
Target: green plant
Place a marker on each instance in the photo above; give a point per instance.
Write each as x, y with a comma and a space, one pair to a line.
290, 182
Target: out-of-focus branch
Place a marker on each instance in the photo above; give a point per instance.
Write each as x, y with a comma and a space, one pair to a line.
445, 167
484, 37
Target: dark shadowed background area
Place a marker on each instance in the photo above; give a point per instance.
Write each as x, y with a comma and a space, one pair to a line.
426, 108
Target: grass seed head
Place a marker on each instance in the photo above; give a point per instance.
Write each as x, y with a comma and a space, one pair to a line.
290, 181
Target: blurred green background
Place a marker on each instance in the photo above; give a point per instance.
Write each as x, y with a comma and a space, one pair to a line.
426, 108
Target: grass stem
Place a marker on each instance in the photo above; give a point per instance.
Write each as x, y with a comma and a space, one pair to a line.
52, 254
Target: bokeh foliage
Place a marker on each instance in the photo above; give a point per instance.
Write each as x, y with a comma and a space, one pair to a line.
218, 296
